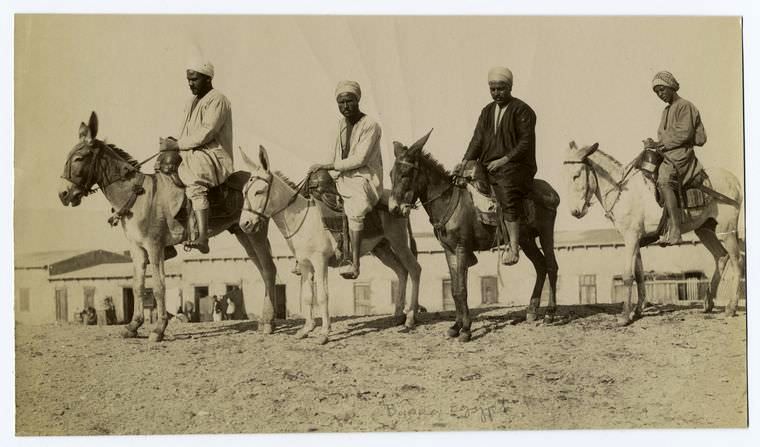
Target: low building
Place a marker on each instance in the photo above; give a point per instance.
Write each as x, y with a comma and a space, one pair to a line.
590, 265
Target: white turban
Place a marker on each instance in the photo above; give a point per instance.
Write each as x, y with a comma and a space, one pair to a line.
500, 74
205, 67
348, 87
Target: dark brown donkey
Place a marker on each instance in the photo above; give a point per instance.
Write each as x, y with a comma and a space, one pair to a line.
147, 207
417, 176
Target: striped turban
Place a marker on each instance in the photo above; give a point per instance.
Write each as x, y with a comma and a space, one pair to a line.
666, 79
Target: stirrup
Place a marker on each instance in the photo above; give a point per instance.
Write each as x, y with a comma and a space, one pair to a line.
347, 271
203, 248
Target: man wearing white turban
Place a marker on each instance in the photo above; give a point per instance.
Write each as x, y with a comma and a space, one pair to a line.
206, 144
679, 131
357, 159
504, 142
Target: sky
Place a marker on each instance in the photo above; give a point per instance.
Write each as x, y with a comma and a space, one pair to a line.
587, 78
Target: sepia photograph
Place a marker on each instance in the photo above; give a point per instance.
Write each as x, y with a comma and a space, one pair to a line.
309, 224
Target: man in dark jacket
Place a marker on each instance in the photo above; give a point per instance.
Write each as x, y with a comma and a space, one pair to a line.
504, 142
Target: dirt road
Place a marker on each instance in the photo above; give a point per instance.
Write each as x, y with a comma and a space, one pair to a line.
679, 368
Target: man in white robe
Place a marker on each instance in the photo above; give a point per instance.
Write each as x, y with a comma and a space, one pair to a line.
358, 163
206, 144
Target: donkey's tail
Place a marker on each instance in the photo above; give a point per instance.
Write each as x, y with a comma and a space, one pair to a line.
412, 242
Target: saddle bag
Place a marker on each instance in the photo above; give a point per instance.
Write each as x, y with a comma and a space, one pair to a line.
649, 161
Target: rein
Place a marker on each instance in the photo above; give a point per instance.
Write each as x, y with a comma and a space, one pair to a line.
449, 209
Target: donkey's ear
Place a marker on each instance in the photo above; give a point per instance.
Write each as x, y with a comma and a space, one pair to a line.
398, 149
593, 148
419, 144
93, 125
573, 145
247, 161
264, 158
84, 132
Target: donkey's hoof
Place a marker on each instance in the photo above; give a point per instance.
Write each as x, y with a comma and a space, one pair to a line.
464, 336
453, 332
530, 317
128, 333
707, 307
267, 328
156, 336
730, 311
322, 340
549, 319
398, 320
300, 335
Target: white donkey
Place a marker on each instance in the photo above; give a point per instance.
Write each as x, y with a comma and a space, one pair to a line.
628, 200
268, 195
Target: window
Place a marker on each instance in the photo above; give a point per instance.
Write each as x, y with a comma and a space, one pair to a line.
89, 297
489, 291
362, 299
587, 289
23, 300
230, 287
448, 299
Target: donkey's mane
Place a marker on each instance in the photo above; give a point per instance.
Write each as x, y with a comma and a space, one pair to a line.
123, 155
428, 160
285, 179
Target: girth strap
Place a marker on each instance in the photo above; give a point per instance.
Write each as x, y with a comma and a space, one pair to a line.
125, 211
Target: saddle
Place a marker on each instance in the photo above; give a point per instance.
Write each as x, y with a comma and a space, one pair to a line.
488, 208
225, 200
322, 189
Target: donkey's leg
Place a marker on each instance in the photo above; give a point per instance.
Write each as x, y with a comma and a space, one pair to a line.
732, 246
451, 260
156, 256
710, 240
259, 252
307, 297
638, 274
531, 250
384, 253
323, 297
139, 262
552, 269
401, 245
459, 291
631, 251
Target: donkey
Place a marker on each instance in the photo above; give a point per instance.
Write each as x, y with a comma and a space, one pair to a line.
269, 196
628, 200
147, 204
417, 176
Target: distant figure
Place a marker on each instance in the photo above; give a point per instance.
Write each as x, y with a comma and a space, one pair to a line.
110, 311
189, 311
90, 316
101, 307
230, 308
217, 309
180, 316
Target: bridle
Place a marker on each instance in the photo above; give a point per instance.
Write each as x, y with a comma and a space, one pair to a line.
416, 167
97, 155
262, 214
589, 193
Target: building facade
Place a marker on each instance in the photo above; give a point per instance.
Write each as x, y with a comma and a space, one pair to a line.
590, 262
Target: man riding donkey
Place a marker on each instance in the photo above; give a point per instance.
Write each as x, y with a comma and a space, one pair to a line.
357, 165
679, 131
504, 142
206, 145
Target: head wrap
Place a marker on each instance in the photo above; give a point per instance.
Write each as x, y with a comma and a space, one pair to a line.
348, 87
667, 79
203, 67
500, 74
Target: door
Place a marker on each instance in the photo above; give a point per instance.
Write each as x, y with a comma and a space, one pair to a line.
128, 303
280, 302
199, 293
61, 305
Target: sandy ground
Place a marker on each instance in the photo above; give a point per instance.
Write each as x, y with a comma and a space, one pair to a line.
678, 368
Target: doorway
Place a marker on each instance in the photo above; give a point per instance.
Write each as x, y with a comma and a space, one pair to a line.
280, 304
